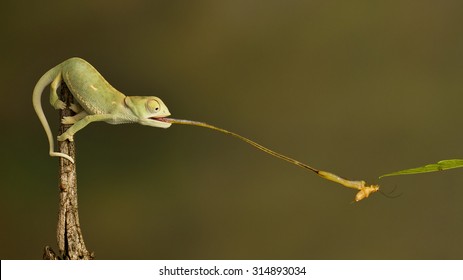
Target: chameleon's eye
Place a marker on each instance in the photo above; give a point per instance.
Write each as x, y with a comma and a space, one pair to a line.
153, 106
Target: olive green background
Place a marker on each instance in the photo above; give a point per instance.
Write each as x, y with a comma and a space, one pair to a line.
358, 88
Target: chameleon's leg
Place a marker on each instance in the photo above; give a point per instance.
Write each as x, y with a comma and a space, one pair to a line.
54, 99
71, 120
76, 108
69, 134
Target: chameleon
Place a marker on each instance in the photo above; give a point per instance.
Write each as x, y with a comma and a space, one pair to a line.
97, 100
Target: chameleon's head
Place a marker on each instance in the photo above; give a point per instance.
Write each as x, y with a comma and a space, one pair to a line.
149, 109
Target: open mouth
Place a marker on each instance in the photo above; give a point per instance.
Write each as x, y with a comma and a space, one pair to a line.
162, 119
161, 122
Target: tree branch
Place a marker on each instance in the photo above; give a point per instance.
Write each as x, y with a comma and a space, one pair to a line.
70, 240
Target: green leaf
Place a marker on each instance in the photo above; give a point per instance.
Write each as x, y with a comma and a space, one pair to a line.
441, 165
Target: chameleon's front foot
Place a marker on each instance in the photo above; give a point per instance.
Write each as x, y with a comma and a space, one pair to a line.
66, 136
75, 107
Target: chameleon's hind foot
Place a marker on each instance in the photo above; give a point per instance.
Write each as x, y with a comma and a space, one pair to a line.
59, 105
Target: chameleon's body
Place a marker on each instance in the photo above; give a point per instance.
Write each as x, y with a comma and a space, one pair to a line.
96, 100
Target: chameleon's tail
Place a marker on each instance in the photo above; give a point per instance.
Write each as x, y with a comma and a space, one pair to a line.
44, 81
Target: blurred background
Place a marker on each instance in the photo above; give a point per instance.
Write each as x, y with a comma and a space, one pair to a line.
358, 88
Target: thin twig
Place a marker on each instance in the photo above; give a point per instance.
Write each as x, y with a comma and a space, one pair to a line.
69, 235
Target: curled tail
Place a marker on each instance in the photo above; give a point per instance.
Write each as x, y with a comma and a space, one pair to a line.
43, 82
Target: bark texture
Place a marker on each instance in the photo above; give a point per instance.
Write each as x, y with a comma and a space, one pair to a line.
71, 243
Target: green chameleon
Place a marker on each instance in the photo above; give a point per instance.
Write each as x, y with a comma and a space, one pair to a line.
97, 100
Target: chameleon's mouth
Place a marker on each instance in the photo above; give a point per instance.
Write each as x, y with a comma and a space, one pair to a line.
161, 122
162, 119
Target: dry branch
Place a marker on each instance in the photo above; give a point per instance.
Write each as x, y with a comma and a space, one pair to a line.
69, 235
